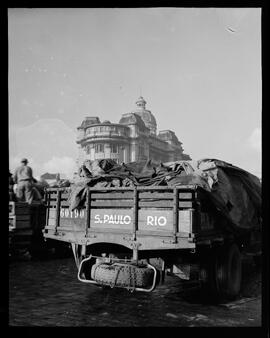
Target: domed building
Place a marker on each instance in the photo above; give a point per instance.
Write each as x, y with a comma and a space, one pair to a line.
134, 138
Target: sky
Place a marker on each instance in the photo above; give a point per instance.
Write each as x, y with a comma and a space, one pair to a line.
199, 70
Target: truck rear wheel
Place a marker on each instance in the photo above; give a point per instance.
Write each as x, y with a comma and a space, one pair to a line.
228, 271
221, 273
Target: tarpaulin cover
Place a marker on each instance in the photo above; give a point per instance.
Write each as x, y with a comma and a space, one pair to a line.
235, 192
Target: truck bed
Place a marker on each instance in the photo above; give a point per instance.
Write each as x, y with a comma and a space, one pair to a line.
154, 218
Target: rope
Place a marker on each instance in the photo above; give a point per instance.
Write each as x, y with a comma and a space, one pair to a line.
116, 276
132, 287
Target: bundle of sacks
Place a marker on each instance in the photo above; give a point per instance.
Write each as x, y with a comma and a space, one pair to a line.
60, 183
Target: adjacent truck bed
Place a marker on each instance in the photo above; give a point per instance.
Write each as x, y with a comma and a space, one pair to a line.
25, 227
130, 238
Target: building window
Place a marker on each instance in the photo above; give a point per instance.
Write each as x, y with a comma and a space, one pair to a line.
87, 149
89, 131
114, 148
104, 129
99, 148
141, 150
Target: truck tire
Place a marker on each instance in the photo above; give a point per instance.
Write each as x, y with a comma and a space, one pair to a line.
221, 273
123, 275
207, 277
228, 271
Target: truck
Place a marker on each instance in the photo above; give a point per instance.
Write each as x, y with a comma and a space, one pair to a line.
133, 237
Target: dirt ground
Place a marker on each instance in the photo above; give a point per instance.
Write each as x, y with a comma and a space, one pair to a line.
47, 293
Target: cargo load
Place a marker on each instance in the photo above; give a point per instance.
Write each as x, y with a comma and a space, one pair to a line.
235, 192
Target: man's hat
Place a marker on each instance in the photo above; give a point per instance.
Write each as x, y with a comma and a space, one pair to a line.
24, 160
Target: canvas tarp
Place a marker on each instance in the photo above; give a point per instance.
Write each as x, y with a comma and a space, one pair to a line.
235, 192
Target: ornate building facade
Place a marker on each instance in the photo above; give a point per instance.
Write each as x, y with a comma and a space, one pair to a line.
134, 138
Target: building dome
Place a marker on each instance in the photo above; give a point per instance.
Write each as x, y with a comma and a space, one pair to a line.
146, 115
133, 118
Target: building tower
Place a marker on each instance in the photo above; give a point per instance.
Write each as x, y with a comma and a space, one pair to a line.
146, 115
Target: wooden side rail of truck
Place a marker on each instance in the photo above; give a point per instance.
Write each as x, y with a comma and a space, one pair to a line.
130, 238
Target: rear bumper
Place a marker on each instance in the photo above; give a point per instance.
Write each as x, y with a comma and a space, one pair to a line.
143, 241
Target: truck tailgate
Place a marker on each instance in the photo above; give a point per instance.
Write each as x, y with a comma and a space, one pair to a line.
152, 217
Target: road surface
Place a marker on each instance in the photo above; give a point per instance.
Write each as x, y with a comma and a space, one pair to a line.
47, 293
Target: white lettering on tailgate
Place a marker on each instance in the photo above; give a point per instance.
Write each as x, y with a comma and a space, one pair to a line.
112, 219
155, 220
66, 213
97, 219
